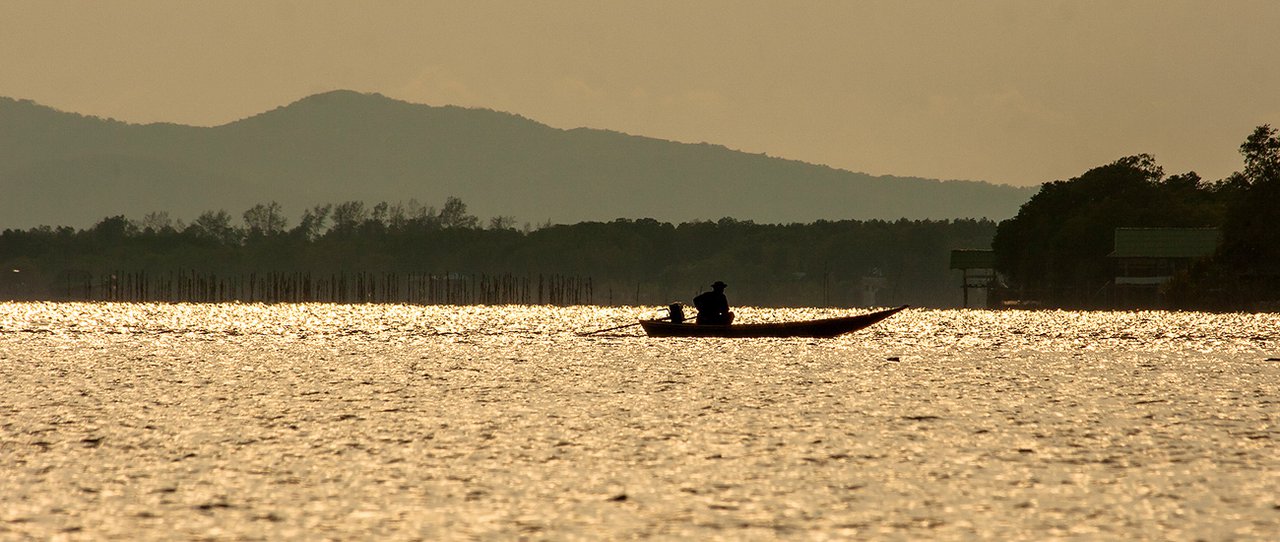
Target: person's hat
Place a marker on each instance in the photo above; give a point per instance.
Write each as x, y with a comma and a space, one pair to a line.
718, 284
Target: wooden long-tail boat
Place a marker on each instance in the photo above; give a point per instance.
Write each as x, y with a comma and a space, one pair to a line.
826, 327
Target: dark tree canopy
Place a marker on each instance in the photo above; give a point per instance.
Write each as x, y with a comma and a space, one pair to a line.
1056, 248
1251, 232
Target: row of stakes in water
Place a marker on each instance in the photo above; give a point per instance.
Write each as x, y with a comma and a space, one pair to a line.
359, 287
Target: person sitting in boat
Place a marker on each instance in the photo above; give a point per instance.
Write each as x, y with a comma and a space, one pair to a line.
713, 306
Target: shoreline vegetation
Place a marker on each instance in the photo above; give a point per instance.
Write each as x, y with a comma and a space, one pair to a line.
1058, 250
411, 253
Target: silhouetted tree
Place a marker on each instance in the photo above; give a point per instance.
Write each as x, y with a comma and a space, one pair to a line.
157, 222
502, 223
215, 226
454, 215
114, 230
265, 219
1251, 233
348, 216
313, 222
380, 212
397, 217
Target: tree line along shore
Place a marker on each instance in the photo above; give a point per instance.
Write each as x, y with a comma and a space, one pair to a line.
353, 252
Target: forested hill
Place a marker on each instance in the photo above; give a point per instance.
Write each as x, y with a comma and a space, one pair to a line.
67, 169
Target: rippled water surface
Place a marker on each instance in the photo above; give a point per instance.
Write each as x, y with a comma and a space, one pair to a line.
159, 421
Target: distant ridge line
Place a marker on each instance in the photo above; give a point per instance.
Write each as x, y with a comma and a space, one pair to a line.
66, 168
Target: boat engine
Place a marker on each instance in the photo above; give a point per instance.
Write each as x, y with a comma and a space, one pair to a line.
677, 313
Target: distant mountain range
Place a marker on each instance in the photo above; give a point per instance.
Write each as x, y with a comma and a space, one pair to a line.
60, 168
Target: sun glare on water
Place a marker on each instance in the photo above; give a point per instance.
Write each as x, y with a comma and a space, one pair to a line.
162, 421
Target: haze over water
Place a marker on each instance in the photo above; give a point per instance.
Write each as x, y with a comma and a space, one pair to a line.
179, 421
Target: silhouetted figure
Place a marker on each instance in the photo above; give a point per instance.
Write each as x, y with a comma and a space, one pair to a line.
713, 306
675, 313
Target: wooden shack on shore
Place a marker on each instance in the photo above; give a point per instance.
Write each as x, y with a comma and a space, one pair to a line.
1147, 259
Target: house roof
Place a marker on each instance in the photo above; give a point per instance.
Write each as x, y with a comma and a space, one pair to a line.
1165, 242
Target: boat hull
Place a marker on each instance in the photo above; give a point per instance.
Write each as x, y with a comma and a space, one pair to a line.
827, 327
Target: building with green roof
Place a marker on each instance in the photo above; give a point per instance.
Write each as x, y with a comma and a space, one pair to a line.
1148, 258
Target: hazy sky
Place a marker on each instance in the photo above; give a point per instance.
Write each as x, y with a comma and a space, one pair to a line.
1016, 92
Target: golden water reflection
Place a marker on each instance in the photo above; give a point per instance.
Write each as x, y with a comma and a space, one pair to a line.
317, 421
1048, 329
